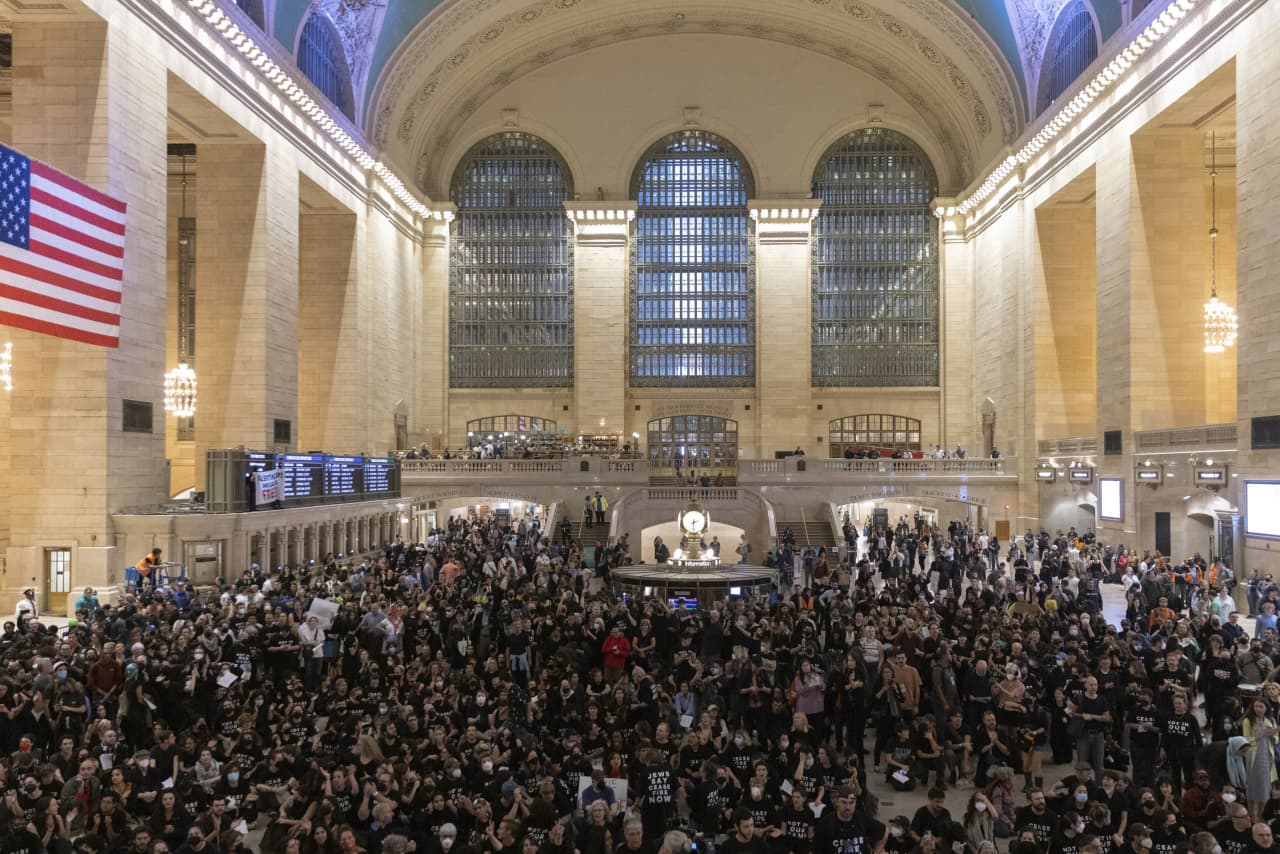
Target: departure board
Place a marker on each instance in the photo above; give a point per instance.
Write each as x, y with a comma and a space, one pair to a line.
343, 476
303, 478
381, 477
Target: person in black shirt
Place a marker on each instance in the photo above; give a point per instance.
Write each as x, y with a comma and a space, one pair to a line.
797, 821
1263, 840
845, 831
1096, 714
658, 788
933, 817
1180, 738
1143, 725
1037, 818
1067, 839
1236, 834
746, 838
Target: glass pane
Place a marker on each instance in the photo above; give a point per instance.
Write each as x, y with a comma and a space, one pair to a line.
511, 270
692, 266
875, 265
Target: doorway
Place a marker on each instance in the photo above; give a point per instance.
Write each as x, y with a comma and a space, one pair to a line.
701, 444
1164, 533
57, 579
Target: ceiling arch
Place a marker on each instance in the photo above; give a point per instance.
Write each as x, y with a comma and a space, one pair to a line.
465, 51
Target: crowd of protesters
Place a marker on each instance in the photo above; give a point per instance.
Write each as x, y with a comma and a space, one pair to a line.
484, 693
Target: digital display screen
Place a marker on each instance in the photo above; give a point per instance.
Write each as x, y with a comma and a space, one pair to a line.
1082, 475
1262, 508
302, 477
1111, 499
307, 479
380, 476
1148, 475
343, 476
1210, 474
1045, 474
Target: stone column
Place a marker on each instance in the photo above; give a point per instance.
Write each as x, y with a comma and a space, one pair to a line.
960, 425
1258, 258
331, 368
431, 414
246, 297
601, 308
784, 326
1116, 203
89, 101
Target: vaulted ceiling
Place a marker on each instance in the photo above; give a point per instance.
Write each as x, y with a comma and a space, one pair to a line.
420, 68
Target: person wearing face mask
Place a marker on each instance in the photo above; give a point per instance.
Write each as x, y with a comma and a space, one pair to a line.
1139, 840
1168, 835
979, 821
1067, 839
758, 805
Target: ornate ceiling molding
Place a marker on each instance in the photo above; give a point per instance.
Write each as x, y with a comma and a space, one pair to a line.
942, 111
465, 51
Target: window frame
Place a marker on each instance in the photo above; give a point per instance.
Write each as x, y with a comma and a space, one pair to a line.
1073, 45
482, 266
664, 337
870, 328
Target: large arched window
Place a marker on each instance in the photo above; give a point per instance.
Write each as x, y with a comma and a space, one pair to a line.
321, 58
511, 271
1072, 47
875, 264
693, 271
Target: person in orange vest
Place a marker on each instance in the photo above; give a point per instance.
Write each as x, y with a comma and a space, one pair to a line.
1160, 614
148, 563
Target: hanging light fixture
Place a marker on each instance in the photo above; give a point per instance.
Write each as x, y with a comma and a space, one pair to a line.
180, 391
1220, 324
6, 366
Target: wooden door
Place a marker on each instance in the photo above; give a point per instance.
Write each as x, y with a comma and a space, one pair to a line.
57, 580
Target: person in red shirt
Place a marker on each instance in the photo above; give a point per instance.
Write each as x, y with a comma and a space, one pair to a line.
617, 649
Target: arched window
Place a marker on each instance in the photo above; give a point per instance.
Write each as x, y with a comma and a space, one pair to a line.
693, 271
253, 8
322, 60
511, 270
702, 443
1072, 47
875, 264
862, 432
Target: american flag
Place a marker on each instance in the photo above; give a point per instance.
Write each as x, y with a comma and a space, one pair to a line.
61, 254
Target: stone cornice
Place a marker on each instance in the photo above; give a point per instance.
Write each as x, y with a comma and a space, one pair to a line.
783, 220
601, 223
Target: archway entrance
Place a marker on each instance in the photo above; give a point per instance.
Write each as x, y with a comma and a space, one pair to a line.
697, 444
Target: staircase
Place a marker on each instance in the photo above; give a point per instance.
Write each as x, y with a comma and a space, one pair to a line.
809, 531
596, 535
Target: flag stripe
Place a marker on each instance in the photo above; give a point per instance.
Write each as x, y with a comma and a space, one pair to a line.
39, 196
72, 220
21, 321
48, 315
95, 298
77, 188
57, 229
58, 305
58, 274
49, 248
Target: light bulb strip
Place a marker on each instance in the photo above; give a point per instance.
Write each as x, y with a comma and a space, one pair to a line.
1103, 81
247, 47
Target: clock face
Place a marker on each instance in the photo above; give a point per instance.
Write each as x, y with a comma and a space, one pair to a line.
694, 522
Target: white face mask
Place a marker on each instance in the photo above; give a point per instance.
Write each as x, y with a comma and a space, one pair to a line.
980, 806
1228, 798
446, 842
756, 791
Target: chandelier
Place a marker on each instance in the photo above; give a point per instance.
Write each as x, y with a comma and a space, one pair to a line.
180, 391
6, 366
1220, 323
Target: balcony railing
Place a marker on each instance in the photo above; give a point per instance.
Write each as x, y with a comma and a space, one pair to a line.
691, 493
1217, 437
